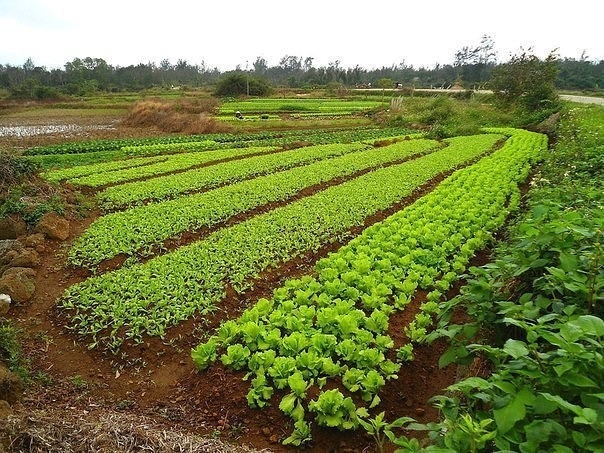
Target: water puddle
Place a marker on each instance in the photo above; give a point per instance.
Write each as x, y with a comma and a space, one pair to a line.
63, 129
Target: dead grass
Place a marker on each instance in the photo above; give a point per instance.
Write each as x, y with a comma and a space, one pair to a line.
187, 116
70, 431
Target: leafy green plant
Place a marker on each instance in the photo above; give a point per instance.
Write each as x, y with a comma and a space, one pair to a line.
334, 410
380, 429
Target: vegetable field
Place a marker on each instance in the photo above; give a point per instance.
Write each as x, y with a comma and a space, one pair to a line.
301, 284
320, 245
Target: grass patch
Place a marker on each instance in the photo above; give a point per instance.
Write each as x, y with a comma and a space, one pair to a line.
10, 350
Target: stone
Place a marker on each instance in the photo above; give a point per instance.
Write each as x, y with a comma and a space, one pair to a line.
19, 283
25, 258
12, 227
8, 245
53, 226
4, 304
11, 386
34, 240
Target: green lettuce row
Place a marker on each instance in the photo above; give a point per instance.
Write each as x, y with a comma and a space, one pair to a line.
296, 105
170, 186
151, 297
201, 145
335, 325
89, 169
173, 163
280, 138
143, 227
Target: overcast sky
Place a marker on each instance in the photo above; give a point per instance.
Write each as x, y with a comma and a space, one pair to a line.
225, 33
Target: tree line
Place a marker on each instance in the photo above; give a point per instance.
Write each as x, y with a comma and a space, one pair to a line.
473, 68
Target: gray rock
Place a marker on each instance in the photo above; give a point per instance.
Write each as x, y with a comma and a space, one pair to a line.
8, 244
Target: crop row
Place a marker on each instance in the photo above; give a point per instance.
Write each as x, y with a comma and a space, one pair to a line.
95, 146
151, 297
150, 148
142, 227
335, 325
170, 186
174, 162
296, 105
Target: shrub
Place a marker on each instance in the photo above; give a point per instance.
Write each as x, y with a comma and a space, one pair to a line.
13, 169
239, 84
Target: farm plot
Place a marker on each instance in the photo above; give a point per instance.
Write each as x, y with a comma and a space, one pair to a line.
170, 186
143, 227
308, 106
121, 171
334, 325
149, 298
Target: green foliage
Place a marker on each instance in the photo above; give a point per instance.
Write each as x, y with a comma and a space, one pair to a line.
10, 350
526, 82
543, 299
334, 410
238, 84
13, 169
378, 428
326, 336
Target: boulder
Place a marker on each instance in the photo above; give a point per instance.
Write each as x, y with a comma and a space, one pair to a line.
12, 227
7, 245
53, 226
11, 386
25, 258
19, 283
34, 240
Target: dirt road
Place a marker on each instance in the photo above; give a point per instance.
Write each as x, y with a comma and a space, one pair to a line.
582, 99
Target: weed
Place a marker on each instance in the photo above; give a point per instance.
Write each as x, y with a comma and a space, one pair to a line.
10, 350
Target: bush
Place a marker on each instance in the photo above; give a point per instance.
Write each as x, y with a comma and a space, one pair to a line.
13, 169
526, 82
238, 84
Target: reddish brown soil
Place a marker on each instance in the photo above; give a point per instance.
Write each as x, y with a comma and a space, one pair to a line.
158, 379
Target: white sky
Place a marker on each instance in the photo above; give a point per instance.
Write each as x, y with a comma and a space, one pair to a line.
225, 33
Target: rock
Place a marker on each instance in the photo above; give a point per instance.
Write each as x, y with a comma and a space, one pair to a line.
25, 258
4, 304
34, 240
266, 431
19, 283
12, 227
10, 385
53, 226
7, 245
5, 410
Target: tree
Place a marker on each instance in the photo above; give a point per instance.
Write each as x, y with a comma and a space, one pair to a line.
474, 64
237, 84
526, 81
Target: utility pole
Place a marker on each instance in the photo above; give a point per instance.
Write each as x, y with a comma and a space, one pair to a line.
247, 78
